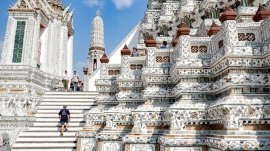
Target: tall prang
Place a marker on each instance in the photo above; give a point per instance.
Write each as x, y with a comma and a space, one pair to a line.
96, 50
38, 48
97, 47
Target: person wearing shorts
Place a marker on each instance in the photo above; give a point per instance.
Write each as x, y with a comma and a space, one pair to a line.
64, 116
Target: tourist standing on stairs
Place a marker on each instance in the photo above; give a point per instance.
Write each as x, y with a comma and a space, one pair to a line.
64, 116
65, 80
74, 80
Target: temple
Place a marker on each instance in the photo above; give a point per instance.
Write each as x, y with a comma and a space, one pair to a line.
199, 80
199, 83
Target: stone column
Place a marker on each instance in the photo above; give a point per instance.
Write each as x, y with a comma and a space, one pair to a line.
181, 41
230, 33
54, 47
104, 61
49, 49
35, 45
151, 46
63, 49
28, 41
70, 55
229, 30
125, 52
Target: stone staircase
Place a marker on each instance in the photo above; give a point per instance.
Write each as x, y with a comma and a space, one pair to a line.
45, 133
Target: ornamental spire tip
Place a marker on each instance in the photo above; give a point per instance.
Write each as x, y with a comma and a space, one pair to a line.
98, 9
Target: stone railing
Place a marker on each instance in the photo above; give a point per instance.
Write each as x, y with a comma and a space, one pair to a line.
21, 73
21, 88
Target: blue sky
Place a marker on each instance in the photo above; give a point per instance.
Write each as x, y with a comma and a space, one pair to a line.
119, 17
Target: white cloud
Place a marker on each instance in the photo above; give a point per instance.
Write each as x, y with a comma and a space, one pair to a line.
122, 3
93, 2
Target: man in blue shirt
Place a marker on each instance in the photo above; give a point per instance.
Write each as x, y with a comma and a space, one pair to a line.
64, 116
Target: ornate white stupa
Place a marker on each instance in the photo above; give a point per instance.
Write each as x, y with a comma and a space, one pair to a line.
200, 81
96, 50
97, 46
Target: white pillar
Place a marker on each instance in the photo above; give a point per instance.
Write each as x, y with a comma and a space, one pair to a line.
44, 49
70, 55
36, 44
63, 50
49, 50
54, 47
28, 41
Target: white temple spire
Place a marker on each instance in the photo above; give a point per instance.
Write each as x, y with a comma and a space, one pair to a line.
97, 37
97, 47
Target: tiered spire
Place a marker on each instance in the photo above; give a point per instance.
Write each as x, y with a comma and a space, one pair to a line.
97, 38
97, 48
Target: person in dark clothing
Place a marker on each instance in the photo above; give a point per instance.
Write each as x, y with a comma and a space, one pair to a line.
64, 116
164, 44
135, 52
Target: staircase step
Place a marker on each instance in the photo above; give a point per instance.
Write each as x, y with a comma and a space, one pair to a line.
44, 139
44, 145
52, 115
53, 129
67, 103
60, 107
56, 111
56, 119
71, 93
45, 134
68, 100
56, 124
43, 149
70, 96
